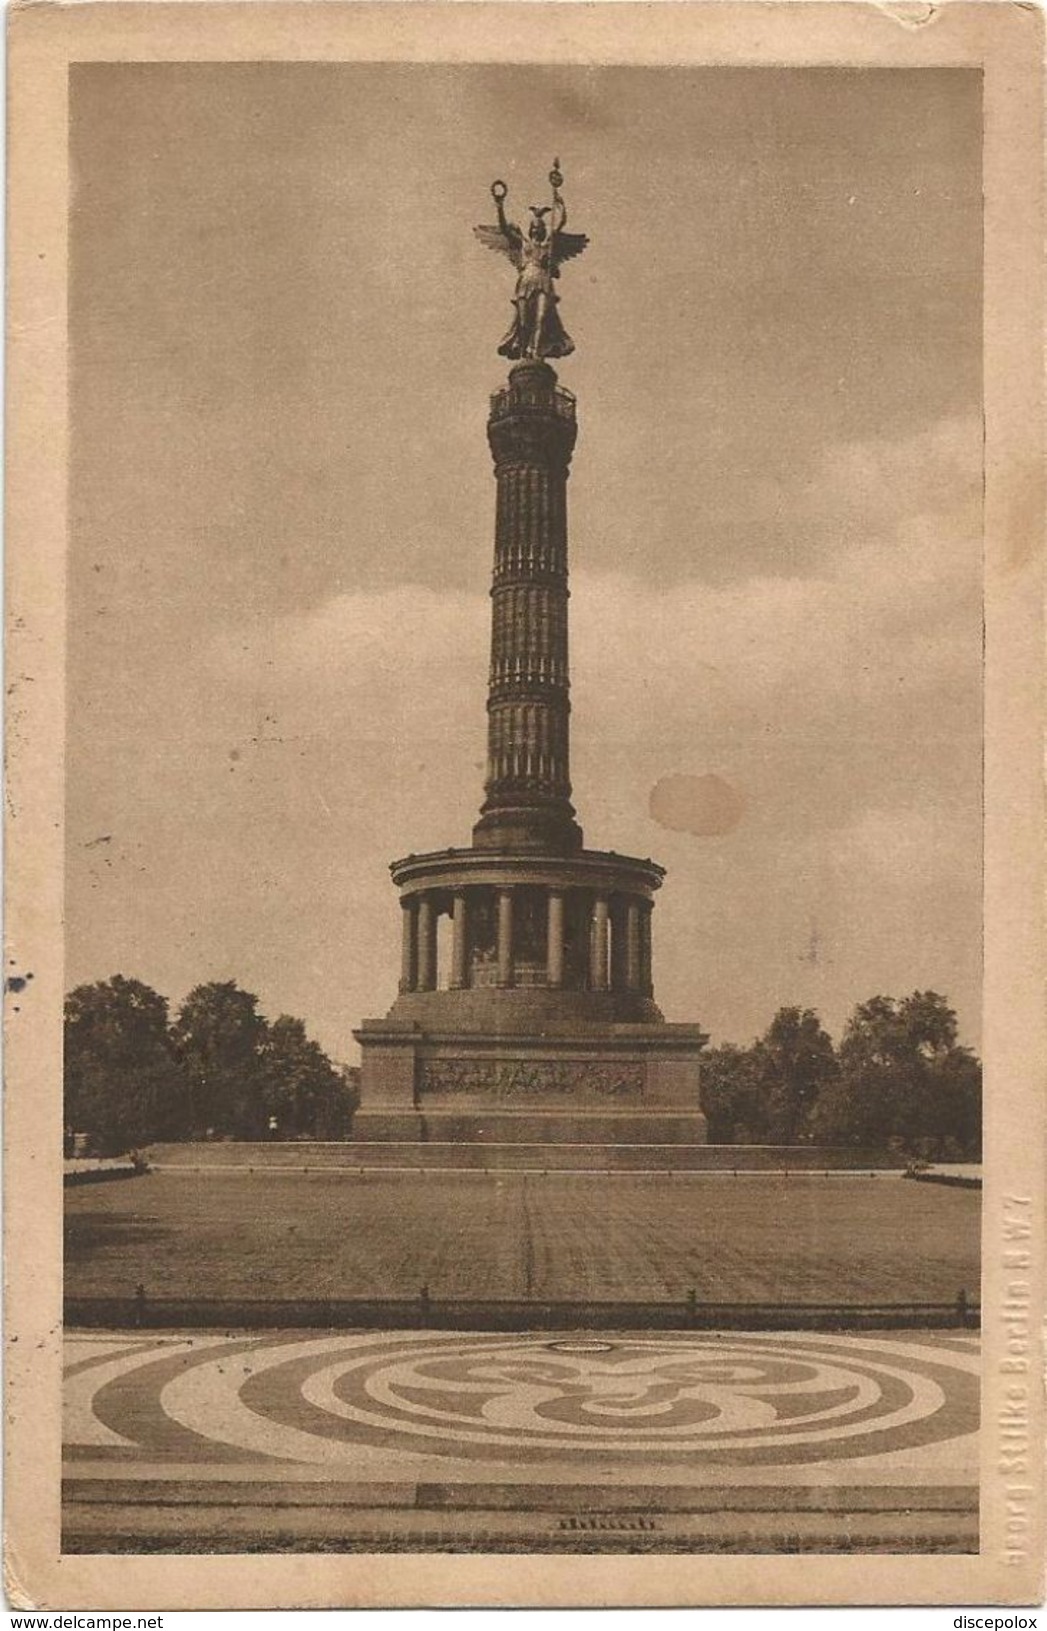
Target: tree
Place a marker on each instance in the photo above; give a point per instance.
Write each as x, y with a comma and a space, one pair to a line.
350, 1102
220, 1037
794, 1063
904, 1079
731, 1096
123, 1085
306, 1094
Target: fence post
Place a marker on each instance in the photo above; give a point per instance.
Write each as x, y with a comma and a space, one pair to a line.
424, 1303
139, 1308
692, 1304
961, 1306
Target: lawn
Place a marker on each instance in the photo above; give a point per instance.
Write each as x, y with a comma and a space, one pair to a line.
757, 1238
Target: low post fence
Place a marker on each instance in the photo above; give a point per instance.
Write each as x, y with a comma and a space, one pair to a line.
140, 1310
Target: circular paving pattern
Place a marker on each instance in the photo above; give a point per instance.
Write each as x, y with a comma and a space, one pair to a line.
730, 1399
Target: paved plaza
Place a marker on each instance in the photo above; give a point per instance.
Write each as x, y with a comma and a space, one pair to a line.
582, 1238
682, 1442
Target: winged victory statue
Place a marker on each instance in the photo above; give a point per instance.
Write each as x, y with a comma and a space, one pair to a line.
536, 330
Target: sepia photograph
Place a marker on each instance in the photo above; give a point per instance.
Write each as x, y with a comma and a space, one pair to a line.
524, 778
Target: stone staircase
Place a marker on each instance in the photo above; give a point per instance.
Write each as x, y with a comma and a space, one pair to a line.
513, 1156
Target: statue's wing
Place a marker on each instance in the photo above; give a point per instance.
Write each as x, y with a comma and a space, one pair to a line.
566, 245
506, 243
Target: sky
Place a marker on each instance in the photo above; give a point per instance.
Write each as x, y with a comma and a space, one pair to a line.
283, 339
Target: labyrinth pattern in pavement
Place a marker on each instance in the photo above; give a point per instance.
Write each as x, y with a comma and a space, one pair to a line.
734, 1400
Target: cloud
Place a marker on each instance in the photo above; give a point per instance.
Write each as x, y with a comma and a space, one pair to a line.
855, 644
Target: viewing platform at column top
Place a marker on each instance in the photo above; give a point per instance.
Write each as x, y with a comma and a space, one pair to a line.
533, 388
601, 871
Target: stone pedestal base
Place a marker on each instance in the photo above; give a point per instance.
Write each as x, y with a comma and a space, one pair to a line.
615, 1085
387, 1127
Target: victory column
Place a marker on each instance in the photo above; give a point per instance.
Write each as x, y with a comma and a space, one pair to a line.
544, 1028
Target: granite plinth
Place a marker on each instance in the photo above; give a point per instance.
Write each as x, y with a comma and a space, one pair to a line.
537, 1129
610, 1084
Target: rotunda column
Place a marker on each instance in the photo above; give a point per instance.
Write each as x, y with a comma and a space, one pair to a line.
555, 944
426, 943
505, 937
460, 939
646, 973
618, 946
408, 959
598, 969
633, 945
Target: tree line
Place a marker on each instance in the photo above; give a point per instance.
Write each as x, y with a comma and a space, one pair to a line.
899, 1079
218, 1069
